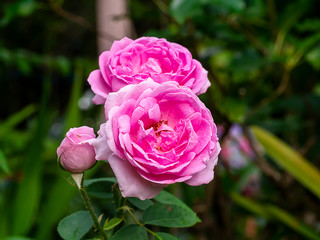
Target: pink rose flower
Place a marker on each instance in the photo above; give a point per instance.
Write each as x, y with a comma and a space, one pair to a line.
155, 135
75, 152
133, 61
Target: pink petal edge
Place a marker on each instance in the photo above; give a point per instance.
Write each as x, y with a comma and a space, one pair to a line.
205, 176
130, 182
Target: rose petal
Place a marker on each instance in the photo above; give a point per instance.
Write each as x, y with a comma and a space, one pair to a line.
100, 144
131, 184
98, 100
99, 86
121, 44
163, 178
206, 175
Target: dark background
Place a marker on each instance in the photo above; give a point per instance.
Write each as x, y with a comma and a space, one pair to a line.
263, 59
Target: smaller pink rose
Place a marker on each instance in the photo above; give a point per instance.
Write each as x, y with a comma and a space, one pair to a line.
134, 61
75, 152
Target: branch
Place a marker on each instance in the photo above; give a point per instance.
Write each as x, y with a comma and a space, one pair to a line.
255, 42
79, 20
274, 95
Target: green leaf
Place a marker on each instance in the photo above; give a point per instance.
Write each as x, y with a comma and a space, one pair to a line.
166, 236
272, 212
75, 226
172, 202
131, 232
169, 216
140, 204
165, 197
110, 224
88, 182
3, 163
100, 187
289, 159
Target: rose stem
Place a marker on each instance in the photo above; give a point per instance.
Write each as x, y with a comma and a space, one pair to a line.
137, 221
88, 204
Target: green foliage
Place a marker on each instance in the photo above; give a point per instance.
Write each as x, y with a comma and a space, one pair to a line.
54, 208
313, 57
172, 212
75, 226
165, 236
112, 223
29, 191
8, 126
100, 188
131, 232
26, 60
167, 198
184, 9
73, 112
140, 204
21, 8
169, 216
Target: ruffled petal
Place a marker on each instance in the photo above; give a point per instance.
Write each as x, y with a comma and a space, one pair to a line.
205, 176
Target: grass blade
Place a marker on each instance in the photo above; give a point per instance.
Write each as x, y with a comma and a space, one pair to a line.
8, 125
26, 202
272, 212
3, 163
289, 159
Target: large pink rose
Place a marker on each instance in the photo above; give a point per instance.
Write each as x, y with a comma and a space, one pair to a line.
155, 135
133, 61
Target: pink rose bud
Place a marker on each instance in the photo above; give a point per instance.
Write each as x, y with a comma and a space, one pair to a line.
133, 61
75, 154
155, 135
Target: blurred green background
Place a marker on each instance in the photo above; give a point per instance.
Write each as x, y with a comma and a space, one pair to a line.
263, 59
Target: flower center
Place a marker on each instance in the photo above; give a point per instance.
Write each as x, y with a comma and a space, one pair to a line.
158, 125
166, 137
